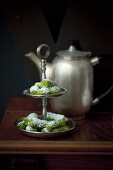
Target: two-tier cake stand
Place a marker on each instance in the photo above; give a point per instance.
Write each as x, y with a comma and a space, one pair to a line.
43, 52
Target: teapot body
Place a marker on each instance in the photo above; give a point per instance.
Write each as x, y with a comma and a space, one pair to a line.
76, 75
71, 69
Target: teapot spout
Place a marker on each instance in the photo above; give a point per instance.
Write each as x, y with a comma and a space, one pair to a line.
34, 58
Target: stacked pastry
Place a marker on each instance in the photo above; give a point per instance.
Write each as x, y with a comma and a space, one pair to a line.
53, 123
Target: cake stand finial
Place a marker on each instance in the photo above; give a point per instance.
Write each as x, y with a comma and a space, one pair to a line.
43, 51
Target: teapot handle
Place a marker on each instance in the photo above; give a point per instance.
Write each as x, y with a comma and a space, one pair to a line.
97, 100
96, 60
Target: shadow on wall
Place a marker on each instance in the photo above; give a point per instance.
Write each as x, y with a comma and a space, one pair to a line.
13, 78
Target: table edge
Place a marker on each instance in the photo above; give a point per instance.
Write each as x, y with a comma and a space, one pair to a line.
59, 147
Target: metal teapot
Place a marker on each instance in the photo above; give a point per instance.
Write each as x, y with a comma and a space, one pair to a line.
73, 70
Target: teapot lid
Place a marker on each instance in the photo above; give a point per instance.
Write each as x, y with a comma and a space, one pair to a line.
73, 52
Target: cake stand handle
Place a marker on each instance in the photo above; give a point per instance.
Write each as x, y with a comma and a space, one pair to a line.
44, 104
43, 52
43, 68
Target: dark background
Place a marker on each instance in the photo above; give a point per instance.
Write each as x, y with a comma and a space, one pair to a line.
26, 24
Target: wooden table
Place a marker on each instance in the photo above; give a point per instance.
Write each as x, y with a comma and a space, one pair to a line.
89, 146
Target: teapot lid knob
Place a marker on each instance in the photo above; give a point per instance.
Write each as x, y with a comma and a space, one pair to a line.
75, 43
